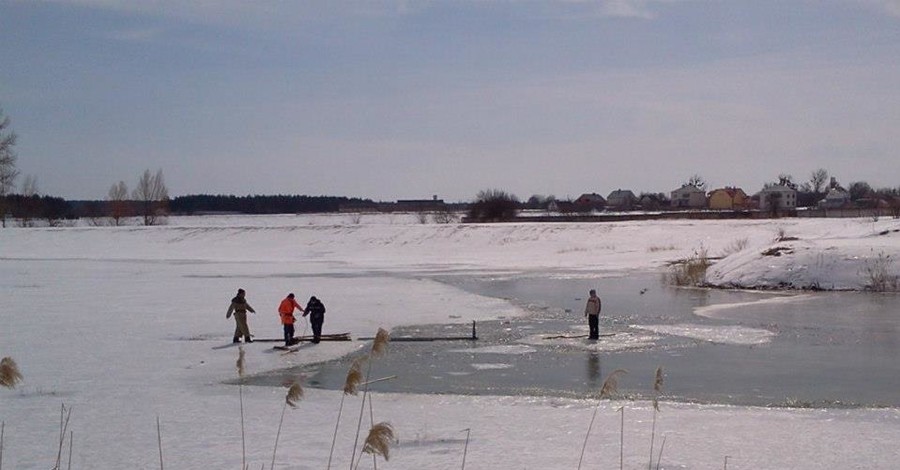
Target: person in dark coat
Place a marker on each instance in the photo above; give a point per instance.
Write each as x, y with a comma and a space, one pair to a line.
316, 311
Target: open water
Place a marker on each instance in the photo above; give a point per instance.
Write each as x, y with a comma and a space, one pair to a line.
715, 346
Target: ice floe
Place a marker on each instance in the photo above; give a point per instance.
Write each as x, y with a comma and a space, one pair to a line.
729, 334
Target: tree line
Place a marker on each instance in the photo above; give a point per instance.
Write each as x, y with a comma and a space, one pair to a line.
149, 201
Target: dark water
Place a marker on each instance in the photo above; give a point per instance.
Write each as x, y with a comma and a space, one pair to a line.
820, 349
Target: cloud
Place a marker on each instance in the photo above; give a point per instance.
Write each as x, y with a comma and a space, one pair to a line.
892, 7
134, 34
627, 9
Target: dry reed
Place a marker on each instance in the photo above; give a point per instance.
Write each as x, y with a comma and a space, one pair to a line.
294, 394
657, 389
9, 373
64, 415
240, 371
354, 377
159, 442
351, 385
610, 387
691, 271
379, 348
240, 362
379, 441
611, 384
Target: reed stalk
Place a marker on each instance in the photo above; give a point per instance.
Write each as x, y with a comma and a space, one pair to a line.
466, 448
609, 388
351, 385
64, 416
294, 394
71, 445
622, 439
661, 447
159, 442
379, 347
657, 390
378, 442
240, 371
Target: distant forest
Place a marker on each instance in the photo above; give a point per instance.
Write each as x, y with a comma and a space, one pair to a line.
281, 204
28, 209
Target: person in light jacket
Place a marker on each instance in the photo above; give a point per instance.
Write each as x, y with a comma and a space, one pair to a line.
592, 312
239, 307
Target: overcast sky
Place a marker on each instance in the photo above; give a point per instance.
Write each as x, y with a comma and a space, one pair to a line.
408, 99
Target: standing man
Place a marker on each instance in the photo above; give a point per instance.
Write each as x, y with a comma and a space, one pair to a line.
286, 311
592, 312
316, 312
239, 308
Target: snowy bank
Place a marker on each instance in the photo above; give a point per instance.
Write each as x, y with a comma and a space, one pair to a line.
124, 325
857, 254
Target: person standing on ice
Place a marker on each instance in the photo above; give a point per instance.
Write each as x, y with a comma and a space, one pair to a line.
316, 311
592, 312
286, 311
239, 307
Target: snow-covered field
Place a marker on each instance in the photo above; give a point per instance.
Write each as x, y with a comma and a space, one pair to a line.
120, 324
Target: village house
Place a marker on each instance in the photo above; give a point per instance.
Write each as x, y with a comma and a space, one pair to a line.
779, 197
728, 198
688, 196
836, 198
653, 202
621, 199
592, 201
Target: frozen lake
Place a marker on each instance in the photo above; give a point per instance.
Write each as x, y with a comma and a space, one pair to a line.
716, 346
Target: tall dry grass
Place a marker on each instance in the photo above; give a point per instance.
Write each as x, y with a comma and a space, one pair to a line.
158, 441
736, 246
240, 370
351, 387
294, 395
657, 391
379, 348
65, 414
9, 377
878, 276
690, 271
609, 388
9, 373
378, 442
466, 447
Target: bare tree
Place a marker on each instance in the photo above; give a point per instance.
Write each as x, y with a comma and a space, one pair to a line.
30, 186
494, 205
696, 181
8, 171
30, 201
152, 194
818, 180
118, 202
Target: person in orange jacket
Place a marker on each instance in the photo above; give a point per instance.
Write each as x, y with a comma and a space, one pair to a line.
286, 311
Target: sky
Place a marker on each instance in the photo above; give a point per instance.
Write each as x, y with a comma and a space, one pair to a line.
408, 99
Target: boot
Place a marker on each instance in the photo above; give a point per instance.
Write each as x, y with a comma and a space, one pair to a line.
247, 339
236, 340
